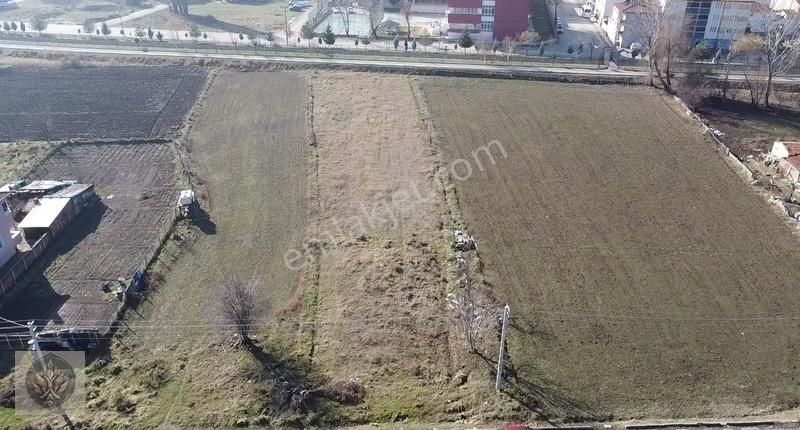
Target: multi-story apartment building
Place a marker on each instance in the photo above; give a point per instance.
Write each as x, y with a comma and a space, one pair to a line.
718, 23
487, 19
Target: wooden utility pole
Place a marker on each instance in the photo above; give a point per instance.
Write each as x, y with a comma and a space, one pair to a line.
503, 332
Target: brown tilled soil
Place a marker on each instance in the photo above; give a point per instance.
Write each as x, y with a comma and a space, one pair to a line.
108, 240
96, 102
645, 277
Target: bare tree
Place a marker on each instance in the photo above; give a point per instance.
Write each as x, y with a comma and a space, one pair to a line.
407, 15
194, 32
756, 74
88, 27
528, 38
484, 46
39, 23
426, 40
778, 50
665, 38
345, 15
375, 8
241, 307
509, 46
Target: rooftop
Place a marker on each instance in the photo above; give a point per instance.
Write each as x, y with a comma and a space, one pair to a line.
45, 213
69, 192
793, 148
43, 186
794, 160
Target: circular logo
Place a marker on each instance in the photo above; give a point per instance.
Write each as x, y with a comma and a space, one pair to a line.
50, 381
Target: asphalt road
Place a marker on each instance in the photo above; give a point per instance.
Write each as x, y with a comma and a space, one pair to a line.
375, 62
577, 31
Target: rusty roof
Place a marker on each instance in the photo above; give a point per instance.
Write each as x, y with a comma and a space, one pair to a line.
794, 161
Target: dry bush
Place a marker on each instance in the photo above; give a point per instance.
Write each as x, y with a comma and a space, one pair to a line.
154, 279
349, 392
71, 62
694, 88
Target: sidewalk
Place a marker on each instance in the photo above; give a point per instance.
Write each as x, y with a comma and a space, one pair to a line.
136, 15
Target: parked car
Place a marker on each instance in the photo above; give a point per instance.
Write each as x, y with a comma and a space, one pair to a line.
296, 8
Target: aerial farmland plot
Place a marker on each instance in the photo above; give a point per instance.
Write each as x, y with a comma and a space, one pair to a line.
645, 278
95, 103
109, 240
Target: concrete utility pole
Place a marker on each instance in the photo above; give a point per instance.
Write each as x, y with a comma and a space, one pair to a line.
39, 356
506, 315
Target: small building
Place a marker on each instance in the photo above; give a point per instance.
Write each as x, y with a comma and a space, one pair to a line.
52, 212
626, 23
788, 156
10, 237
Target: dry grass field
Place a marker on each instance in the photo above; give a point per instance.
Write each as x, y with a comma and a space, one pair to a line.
380, 313
19, 159
71, 11
645, 278
248, 147
244, 17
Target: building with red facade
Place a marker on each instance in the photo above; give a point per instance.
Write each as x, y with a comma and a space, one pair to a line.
487, 19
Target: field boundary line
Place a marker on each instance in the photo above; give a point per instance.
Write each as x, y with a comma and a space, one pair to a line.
161, 112
183, 143
465, 277
312, 272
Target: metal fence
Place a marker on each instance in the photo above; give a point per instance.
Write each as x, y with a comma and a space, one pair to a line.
23, 261
437, 50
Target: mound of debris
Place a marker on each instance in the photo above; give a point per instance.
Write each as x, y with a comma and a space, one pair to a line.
464, 242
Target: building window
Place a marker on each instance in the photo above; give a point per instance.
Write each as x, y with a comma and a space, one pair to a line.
487, 26
488, 11
466, 11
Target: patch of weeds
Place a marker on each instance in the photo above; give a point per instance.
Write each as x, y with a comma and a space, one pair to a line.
152, 374
122, 402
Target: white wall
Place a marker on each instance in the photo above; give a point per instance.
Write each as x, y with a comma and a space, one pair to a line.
788, 5
612, 28
8, 246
